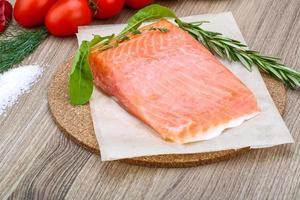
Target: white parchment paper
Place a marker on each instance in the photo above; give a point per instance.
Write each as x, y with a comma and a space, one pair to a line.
120, 135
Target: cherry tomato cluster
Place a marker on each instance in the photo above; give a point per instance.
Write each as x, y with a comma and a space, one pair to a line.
63, 17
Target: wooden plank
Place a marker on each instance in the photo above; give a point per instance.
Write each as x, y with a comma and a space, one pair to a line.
37, 161
28, 126
53, 171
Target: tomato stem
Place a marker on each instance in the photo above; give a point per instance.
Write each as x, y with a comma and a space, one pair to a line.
93, 7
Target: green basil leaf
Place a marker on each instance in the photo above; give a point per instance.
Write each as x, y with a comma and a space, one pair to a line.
153, 11
81, 78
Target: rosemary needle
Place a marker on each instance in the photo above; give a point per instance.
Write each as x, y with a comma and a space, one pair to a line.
234, 50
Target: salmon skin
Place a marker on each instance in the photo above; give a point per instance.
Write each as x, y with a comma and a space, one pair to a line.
173, 83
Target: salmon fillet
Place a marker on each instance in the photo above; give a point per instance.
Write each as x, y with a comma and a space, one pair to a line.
173, 84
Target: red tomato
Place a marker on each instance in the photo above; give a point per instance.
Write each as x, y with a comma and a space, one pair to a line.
5, 14
30, 13
137, 4
108, 8
65, 16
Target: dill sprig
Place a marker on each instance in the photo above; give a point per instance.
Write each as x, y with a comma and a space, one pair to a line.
234, 50
16, 43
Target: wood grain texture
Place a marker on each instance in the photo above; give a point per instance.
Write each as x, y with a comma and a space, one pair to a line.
38, 162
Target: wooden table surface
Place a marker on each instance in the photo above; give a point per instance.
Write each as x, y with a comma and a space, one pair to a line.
38, 162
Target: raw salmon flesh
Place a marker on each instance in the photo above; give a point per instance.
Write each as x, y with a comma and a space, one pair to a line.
173, 84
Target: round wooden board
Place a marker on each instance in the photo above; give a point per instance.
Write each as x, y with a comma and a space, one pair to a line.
76, 123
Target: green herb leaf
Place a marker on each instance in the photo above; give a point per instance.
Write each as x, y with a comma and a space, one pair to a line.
153, 11
81, 78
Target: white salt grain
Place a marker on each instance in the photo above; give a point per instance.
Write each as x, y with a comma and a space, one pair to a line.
16, 82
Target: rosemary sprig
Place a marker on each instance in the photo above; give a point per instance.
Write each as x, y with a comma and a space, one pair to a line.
16, 43
122, 38
113, 41
161, 29
234, 50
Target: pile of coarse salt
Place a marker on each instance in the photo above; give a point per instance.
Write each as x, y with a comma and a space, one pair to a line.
16, 82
